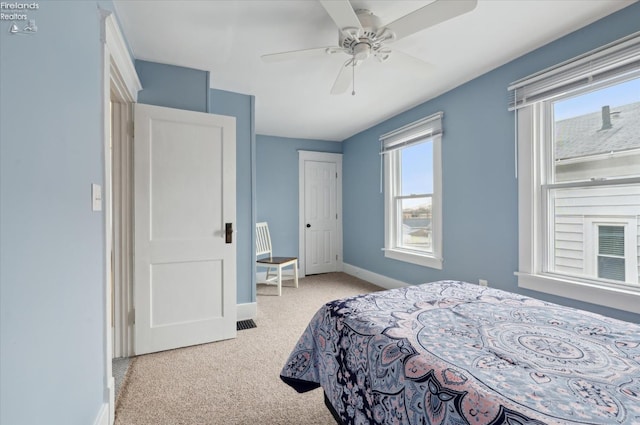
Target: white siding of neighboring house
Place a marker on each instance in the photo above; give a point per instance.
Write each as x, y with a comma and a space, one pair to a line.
619, 165
569, 244
576, 208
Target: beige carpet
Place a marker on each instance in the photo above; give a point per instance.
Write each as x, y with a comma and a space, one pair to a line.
236, 381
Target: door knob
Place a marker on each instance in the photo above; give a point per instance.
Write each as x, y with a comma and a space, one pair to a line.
308, 225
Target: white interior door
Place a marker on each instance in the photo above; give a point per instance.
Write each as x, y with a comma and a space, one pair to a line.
320, 217
184, 268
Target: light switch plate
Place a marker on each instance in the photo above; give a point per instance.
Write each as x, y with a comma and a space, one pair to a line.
96, 197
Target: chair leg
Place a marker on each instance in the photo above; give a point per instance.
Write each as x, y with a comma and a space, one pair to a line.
279, 281
268, 273
295, 273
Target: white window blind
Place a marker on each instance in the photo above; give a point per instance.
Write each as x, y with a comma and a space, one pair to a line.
413, 133
611, 260
620, 59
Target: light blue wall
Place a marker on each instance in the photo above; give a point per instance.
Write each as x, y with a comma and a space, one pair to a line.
52, 259
173, 86
277, 186
480, 204
241, 106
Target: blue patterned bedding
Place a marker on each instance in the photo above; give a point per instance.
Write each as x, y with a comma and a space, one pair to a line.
455, 353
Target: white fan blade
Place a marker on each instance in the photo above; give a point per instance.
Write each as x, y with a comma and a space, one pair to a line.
344, 77
410, 63
430, 15
342, 14
301, 54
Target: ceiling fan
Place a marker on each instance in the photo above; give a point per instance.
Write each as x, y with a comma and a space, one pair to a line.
361, 34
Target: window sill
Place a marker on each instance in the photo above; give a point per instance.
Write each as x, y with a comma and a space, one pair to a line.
411, 257
619, 298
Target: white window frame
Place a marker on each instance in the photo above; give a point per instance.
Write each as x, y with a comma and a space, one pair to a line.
532, 214
630, 225
391, 178
616, 62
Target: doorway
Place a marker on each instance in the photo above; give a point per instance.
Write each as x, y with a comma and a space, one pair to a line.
121, 234
122, 225
120, 86
320, 212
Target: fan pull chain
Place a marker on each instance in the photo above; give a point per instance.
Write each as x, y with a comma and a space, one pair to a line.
353, 76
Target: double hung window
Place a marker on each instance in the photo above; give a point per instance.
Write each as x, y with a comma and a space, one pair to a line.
579, 177
413, 221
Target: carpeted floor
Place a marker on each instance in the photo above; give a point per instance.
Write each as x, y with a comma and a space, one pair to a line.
236, 381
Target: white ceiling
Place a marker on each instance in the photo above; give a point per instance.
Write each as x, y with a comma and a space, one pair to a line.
227, 38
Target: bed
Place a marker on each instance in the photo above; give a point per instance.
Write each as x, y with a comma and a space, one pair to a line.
456, 353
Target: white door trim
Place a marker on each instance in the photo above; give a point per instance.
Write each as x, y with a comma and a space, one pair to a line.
122, 175
120, 60
116, 66
320, 157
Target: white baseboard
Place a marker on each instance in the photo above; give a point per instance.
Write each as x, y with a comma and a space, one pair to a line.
246, 311
103, 415
112, 399
375, 278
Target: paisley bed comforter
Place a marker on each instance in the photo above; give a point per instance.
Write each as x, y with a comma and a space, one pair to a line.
456, 353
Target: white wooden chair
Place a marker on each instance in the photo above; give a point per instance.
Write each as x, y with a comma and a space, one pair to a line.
263, 247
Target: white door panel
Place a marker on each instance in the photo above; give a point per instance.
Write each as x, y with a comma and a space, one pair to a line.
176, 282
183, 170
185, 273
320, 216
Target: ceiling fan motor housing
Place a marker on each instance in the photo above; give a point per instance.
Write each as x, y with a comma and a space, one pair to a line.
361, 43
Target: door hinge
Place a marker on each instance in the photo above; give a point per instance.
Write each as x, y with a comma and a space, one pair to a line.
336, 257
336, 175
132, 316
132, 128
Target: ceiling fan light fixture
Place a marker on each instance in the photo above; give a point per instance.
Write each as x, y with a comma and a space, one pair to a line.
361, 51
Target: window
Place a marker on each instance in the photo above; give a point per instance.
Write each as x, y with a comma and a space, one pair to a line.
611, 259
579, 177
611, 249
412, 176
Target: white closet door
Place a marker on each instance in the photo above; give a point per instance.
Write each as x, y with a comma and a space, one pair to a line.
321, 219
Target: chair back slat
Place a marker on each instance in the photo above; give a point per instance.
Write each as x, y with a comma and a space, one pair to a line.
263, 240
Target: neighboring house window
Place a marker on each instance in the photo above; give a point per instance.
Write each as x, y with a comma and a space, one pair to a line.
579, 177
611, 247
412, 174
611, 257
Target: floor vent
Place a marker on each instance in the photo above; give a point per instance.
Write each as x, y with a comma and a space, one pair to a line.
245, 324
